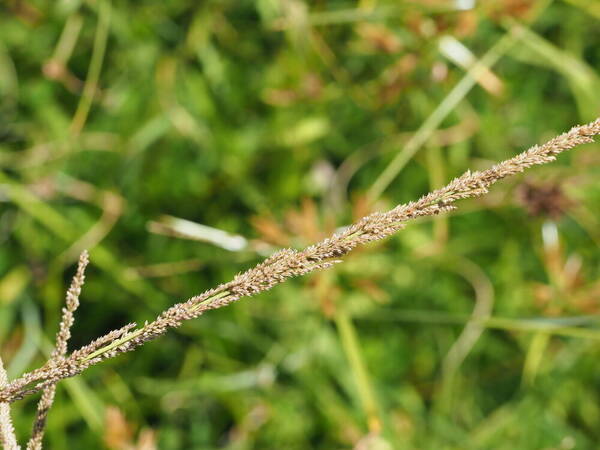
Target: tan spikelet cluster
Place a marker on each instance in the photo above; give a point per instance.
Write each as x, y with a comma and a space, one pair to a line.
60, 350
289, 263
8, 440
78, 361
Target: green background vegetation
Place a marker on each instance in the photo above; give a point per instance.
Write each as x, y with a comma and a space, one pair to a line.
274, 120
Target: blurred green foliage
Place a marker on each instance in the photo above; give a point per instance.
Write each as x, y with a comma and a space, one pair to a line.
273, 120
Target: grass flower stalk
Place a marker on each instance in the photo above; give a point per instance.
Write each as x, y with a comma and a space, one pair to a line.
8, 438
62, 337
290, 263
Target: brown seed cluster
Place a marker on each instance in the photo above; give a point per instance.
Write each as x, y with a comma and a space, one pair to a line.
290, 263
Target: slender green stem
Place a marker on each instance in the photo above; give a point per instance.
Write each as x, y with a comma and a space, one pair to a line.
129, 336
91, 82
212, 298
498, 323
439, 114
351, 347
113, 344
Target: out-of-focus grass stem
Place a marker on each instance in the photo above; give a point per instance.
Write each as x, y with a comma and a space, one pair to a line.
364, 387
91, 81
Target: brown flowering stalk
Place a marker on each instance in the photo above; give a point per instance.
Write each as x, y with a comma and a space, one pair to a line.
289, 263
62, 337
7, 432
